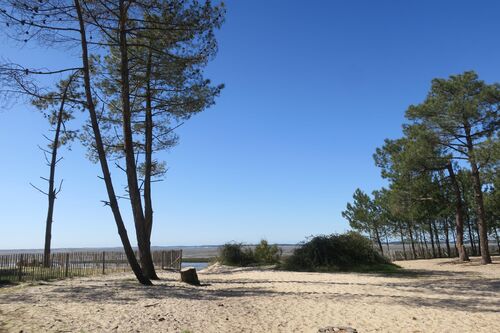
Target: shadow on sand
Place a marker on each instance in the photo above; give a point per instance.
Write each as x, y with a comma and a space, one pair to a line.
427, 288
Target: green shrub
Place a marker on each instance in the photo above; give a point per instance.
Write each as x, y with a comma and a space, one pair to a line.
267, 254
349, 251
235, 254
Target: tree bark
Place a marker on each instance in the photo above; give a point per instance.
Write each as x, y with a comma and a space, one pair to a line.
99, 146
131, 167
459, 216
478, 195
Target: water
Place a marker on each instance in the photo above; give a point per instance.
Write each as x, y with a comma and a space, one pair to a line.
197, 265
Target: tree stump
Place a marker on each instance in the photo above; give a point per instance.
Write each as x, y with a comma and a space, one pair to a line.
188, 275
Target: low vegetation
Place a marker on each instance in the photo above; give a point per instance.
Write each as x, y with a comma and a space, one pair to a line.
338, 252
237, 254
267, 254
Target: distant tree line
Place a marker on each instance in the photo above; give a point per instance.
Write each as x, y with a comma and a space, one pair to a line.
443, 180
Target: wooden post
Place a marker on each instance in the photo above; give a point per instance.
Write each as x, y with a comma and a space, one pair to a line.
162, 259
180, 259
66, 271
103, 262
20, 268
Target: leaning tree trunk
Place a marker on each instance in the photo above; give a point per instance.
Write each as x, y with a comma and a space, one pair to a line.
478, 195
459, 216
131, 167
51, 193
99, 146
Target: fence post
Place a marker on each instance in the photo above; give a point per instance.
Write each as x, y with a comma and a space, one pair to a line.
103, 261
20, 276
66, 271
180, 260
162, 259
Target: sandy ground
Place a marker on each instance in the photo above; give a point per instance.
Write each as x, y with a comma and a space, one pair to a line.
442, 297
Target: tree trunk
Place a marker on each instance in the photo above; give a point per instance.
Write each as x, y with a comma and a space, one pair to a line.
436, 236
476, 230
472, 239
454, 241
148, 203
478, 195
378, 240
402, 241
99, 146
426, 247
387, 243
131, 167
414, 252
51, 193
459, 216
497, 238
447, 238
432, 240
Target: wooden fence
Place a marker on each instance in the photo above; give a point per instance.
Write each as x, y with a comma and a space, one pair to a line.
29, 266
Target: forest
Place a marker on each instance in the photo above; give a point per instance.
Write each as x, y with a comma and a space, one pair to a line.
442, 175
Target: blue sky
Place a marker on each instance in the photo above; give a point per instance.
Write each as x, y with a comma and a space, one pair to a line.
312, 88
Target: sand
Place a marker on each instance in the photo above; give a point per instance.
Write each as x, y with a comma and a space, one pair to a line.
443, 297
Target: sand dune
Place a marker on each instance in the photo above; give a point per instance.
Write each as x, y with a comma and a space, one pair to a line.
442, 297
